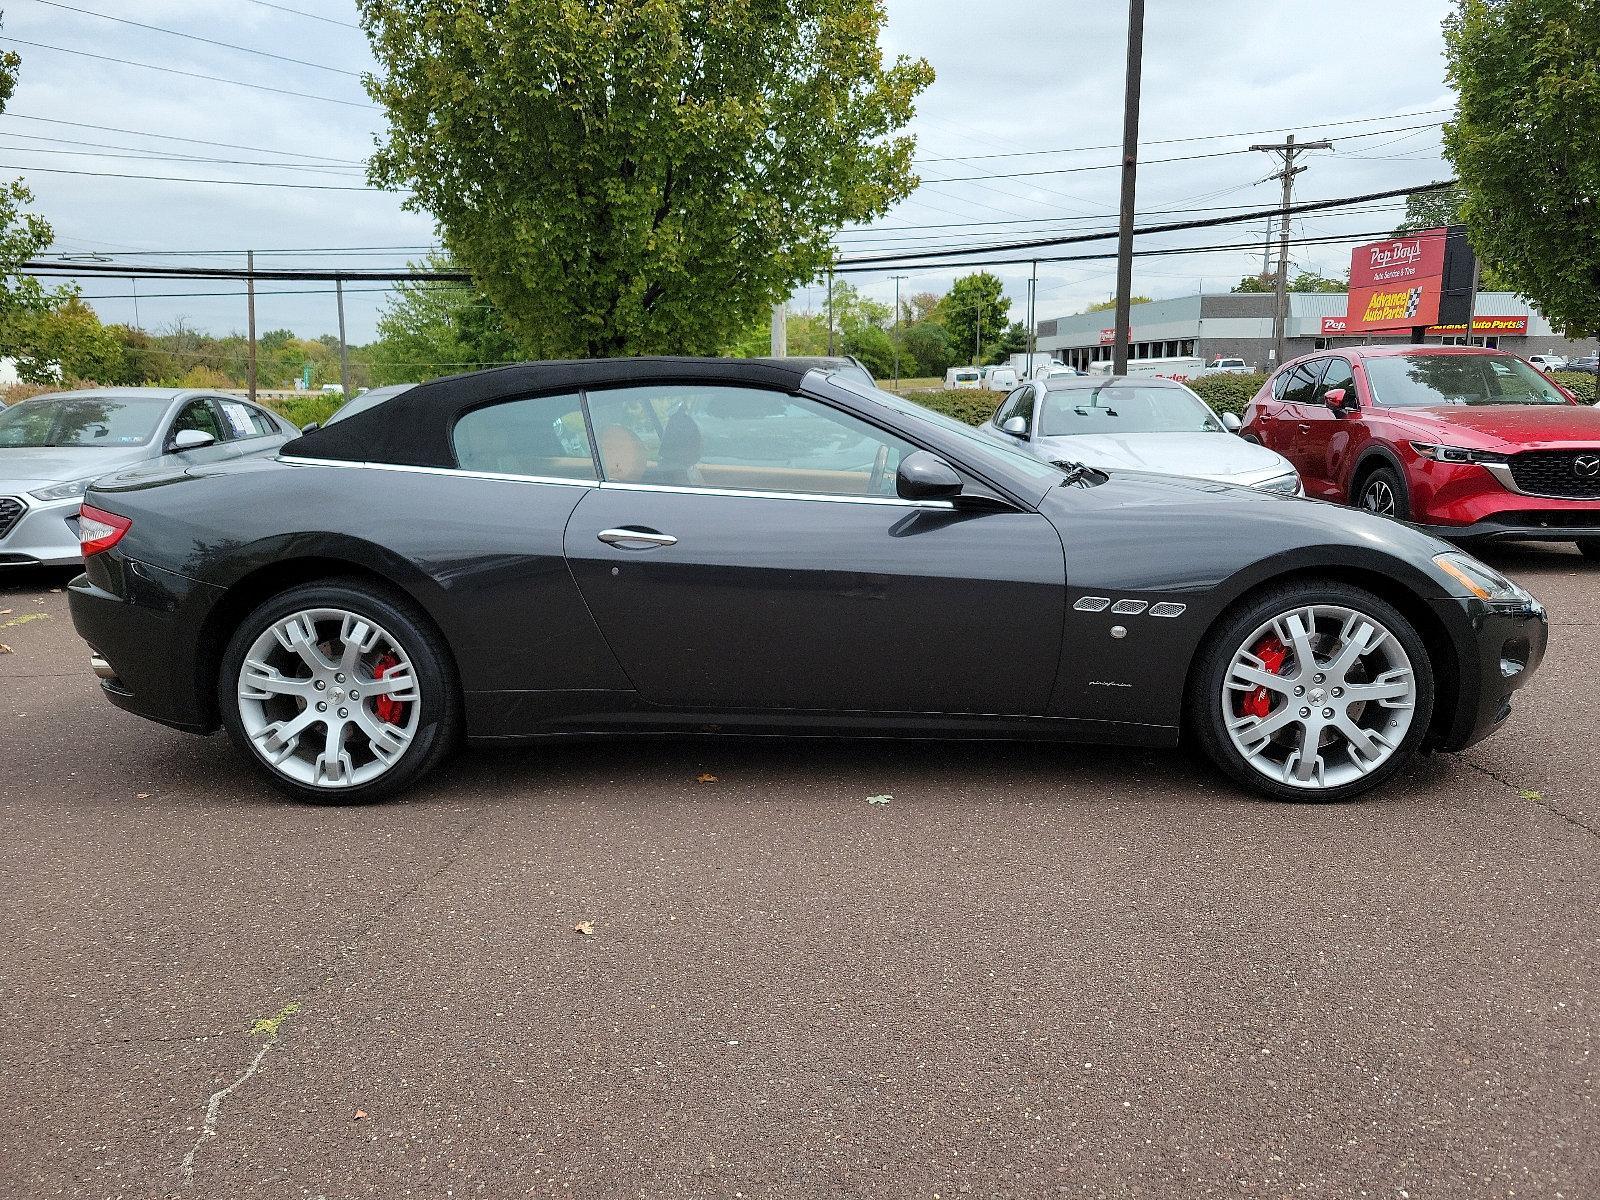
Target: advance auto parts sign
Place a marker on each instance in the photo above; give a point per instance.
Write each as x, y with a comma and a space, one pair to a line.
1396, 284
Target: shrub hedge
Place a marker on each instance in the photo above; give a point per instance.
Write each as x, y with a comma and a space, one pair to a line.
1227, 393
1579, 383
973, 407
304, 409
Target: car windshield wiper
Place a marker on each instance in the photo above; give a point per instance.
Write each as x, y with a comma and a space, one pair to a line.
1080, 473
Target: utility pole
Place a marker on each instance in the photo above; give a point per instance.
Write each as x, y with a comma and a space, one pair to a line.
1289, 150
1130, 179
977, 337
898, 280
1033, 315
344, 348
250, 306
780, 330
1266, 252
830, 312
1472, 299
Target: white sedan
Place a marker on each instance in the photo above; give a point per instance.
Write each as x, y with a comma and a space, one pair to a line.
1144, 424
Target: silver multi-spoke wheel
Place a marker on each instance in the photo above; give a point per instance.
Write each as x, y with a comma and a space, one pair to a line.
1319, 696
329, 698
1378, 497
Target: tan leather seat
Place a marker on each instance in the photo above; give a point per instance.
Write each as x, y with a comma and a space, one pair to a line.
623, 455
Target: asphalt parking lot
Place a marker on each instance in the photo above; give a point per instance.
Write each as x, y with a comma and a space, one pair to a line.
1033, 971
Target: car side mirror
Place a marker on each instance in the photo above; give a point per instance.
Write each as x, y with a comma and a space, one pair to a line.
1231, 422
925, 476
1016, 427
191, 439
311, 428
1341, 400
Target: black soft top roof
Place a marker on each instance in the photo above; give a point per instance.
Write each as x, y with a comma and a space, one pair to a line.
414, 428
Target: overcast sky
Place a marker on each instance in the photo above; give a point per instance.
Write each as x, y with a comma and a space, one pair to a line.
1014, 77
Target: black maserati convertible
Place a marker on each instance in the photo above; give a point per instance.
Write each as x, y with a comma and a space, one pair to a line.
711, 545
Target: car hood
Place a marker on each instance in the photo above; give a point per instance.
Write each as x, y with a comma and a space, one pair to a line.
1504, 426
53, 464
1217, 456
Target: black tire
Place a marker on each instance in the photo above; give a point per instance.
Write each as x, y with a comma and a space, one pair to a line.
1205, 704
1384, 484
437, 719
1590, 550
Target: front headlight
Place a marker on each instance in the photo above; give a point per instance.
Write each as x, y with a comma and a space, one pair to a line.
1483, 581
63, 491
1458, 454
1286, 485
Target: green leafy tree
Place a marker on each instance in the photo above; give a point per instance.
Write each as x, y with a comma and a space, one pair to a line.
1255, 284
1524, 148
68, 342
974, 315
639, 176
1013, 341
1316, 281
1431, 210
927, 347
23, 235
1111, 304
427, 330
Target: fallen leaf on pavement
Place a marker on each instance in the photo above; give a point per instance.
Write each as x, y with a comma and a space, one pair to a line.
584, 927
705, 777
360, 1112
6, 612
141, 795
879, 799
4, 649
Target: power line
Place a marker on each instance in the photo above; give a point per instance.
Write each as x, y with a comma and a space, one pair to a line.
152, 156
128, 62
169, 137
1203, 137
194, 37
266, 183
1147, 162
126, 270
1170, 227
310, 16
1107, 256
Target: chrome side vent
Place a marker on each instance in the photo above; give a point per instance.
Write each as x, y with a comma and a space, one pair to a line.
1093, 604
1168, 609
1130, 608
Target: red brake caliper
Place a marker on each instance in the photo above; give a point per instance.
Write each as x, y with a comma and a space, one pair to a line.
389, 710
1272, 653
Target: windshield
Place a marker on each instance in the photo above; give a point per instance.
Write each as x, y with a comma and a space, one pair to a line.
1018, 460
101, 422
1437, 380
1125, 408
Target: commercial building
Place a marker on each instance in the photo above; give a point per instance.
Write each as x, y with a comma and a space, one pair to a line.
1239, 325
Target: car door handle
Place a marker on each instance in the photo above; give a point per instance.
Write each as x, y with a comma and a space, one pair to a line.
636, 539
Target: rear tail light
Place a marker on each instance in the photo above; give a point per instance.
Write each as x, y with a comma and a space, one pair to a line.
98, 530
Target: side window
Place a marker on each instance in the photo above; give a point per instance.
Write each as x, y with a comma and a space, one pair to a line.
198, 414
1018, 404
542, 436
1338, 375
1280, 384
740, 438
1302, 388
241, 421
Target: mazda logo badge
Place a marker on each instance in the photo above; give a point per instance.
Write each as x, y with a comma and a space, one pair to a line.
1586, 466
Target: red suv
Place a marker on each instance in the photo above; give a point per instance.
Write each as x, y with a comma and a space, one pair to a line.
1470, 443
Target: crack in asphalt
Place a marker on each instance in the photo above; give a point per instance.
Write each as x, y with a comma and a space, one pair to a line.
214, 1112
1530, 796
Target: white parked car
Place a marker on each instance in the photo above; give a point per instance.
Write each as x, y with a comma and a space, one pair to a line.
1123, 423
1055, 370
1548, 362
963, 379
999, 379
1227, 366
